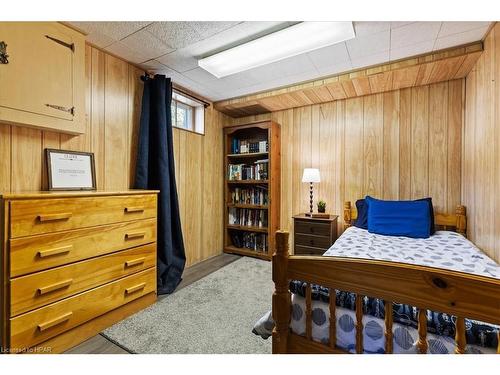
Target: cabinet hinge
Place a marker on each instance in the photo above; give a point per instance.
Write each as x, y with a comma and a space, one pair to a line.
64, 109
4, 57
71, 46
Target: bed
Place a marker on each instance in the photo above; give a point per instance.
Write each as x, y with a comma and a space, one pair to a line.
439, 291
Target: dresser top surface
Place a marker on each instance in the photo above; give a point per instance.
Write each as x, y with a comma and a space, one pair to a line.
73, 194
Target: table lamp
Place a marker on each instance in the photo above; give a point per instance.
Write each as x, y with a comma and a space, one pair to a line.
310, 175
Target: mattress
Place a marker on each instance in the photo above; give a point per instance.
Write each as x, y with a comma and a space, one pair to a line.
446, 250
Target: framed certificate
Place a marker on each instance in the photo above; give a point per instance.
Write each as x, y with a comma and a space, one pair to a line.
70, 170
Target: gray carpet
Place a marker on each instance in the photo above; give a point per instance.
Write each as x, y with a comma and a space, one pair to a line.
213, 315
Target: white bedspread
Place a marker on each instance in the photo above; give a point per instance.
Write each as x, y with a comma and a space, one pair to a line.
444, 249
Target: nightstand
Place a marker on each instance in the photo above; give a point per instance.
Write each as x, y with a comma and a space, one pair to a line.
313, 236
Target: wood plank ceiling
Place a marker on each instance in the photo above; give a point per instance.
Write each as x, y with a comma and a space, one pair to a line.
434, 67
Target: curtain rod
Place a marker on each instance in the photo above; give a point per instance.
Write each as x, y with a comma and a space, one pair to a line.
206, 104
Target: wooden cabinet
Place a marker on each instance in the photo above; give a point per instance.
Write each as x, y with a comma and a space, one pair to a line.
313, 236
43, 83
65, 279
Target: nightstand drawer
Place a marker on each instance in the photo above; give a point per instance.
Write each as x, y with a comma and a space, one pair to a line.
322, 242
305, 250
310, 227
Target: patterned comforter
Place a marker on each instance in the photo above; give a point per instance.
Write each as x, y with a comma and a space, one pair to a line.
447, 250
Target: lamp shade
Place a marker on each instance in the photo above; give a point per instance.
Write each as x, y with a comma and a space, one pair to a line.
310, 175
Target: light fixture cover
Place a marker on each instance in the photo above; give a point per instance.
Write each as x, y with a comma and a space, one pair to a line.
294, 40
310, 175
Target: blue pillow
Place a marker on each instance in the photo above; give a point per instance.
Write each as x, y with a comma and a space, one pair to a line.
362, 219
399, 218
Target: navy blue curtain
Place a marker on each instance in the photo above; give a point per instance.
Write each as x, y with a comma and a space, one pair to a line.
155, 170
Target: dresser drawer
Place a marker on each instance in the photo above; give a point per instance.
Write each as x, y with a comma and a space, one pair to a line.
41, 288
37, 253
309, 227
37, 216
42, 324
322, 242
306, 250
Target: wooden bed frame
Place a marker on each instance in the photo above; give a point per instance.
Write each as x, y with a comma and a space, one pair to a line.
456, 293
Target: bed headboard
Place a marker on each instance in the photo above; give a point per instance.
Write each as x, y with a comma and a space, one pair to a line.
455, 222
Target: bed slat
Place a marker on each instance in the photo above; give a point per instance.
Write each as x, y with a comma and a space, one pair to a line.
388, 326
359, 324
422, 331
308, 313
333, 318
460, 339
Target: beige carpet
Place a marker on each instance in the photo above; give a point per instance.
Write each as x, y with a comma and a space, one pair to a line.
213, 315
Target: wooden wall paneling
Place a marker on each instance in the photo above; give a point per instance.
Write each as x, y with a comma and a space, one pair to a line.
302, 156
26, 172
496, 149
327, 151
97, 116
5, 157
116, 120
181, 185
455, 109
405, 167
419, 142
353, 148
49, 140
341, 139
390, 163
135, 87
373, 144
468, 156
83, 142
285, 119
438, 150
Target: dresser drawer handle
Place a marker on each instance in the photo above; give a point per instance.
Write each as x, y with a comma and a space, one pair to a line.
56, 251
52, 288
311, 242
131, 236
134, 289
54, 217
54, 322
134, 262
129, 210
311, 229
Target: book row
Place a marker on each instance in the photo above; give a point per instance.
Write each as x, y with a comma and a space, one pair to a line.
255, 171
251, 241
250, 196
248, 146
248, 217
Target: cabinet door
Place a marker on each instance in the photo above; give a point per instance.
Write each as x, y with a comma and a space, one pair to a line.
40, 83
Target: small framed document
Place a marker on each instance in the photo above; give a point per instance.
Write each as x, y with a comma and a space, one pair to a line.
70, 170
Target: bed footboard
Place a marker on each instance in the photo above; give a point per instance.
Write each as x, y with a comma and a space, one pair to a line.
455, 293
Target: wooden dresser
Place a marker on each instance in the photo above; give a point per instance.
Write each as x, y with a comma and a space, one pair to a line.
74, 263
313, 236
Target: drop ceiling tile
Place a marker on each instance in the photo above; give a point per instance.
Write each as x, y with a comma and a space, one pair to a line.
336, 68
285, 68
369, 44
201, 76
155, 67
366, 61
116, 30
395, 25
461, 38
450, 28
325, 57
126, 53
207, 29
414, 33
146, 44
413, 50
368, 28
179, 60
99, 40
174, 34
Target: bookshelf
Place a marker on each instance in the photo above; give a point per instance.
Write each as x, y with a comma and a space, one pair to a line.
252, 188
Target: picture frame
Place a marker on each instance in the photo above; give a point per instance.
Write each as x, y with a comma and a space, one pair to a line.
70, 170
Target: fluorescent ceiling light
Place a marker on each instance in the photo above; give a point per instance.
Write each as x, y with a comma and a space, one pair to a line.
294, 40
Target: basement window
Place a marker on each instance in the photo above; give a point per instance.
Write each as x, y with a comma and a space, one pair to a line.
187, 113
